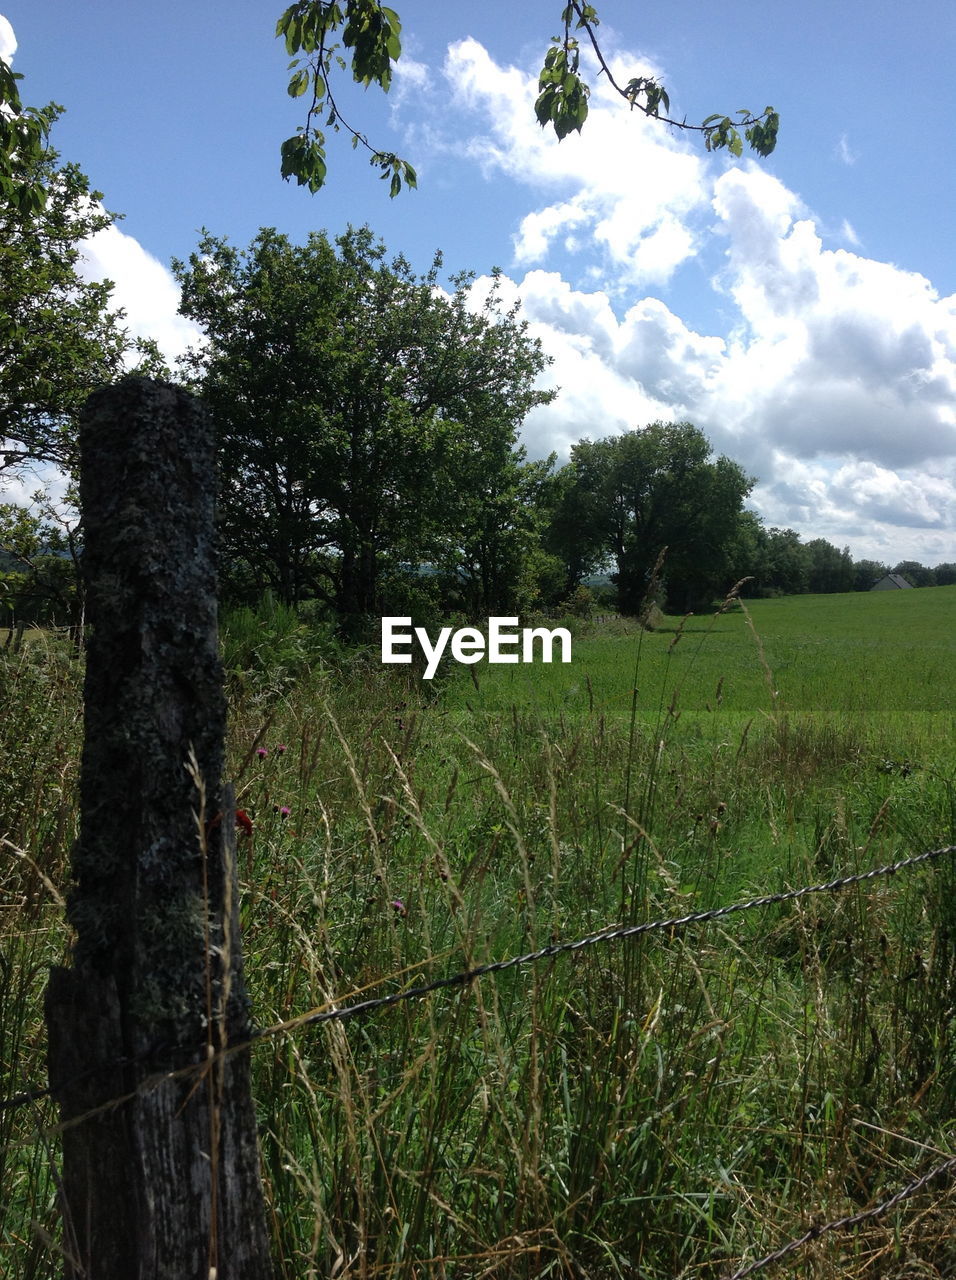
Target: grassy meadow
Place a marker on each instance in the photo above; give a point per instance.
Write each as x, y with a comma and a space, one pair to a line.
674, 1105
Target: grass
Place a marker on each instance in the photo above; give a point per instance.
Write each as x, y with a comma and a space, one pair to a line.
662, 1107
863, 654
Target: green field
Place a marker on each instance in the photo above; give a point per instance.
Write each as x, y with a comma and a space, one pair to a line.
671, 1106
861, 654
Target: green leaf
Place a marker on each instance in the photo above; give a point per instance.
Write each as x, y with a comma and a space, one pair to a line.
544, 106
298, 84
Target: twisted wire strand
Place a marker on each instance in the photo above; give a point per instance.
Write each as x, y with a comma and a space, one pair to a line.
608, 934
844, 1224
335, 1012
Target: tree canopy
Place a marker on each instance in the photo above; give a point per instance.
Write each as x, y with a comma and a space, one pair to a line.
647, 497
23, 141
59, 338
367, 418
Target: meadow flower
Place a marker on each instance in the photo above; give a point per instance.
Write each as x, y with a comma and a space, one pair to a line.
400, 908
262, 752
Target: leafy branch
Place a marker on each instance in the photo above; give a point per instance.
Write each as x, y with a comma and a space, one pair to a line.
23, 138
373, 34
563, 94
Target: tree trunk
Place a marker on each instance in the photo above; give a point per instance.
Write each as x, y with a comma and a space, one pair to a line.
160, 1160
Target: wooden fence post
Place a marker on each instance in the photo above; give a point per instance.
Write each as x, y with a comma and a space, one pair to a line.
160, 1173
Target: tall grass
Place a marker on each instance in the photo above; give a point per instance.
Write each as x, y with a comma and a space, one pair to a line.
657, 1107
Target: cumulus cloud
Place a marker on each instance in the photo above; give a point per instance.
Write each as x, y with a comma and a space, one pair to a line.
8, 41
639, 213
143, 288
834, 354
834, 380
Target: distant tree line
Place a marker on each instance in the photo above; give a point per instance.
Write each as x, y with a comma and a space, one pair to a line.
779, 563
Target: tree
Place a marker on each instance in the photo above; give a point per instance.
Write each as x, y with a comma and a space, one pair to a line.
370, 32
746, 552
494, 515
41, 552
59, 340
867, 573
945, 574
576, 531
655, 491
830, 569
787, 565
915, 573
354, 402
23, 138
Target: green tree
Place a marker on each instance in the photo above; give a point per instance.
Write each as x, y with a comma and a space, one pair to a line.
40, 554
23, 141
58, 337
657, 492
915, 573
496, 509
747, 553
576, 531
787, 569
358, 408
945, 574
318, 31
866, 573
830, 569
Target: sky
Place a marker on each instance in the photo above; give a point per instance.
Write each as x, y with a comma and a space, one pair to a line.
800, 310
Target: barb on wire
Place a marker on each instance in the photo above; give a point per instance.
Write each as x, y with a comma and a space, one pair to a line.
844, 1224
336, 1012
610, 934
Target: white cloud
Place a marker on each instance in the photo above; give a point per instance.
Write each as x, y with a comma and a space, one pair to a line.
144, 288
835, 354
412, 81
835, 381
8, 41
639, 212
848, 232
844, 151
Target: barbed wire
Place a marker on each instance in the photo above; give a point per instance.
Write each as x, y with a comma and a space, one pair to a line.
335, 1011
843, 1224
608, 934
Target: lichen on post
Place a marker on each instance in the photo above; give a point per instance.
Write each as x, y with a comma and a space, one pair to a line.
166, 1183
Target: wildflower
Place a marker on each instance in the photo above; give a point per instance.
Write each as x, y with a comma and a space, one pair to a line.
284, 811
281, 749
399, 906
262, 752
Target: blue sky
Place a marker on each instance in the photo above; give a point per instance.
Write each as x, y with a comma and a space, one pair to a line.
800, 310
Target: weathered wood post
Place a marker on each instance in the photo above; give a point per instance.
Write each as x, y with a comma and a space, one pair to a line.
160, 1172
